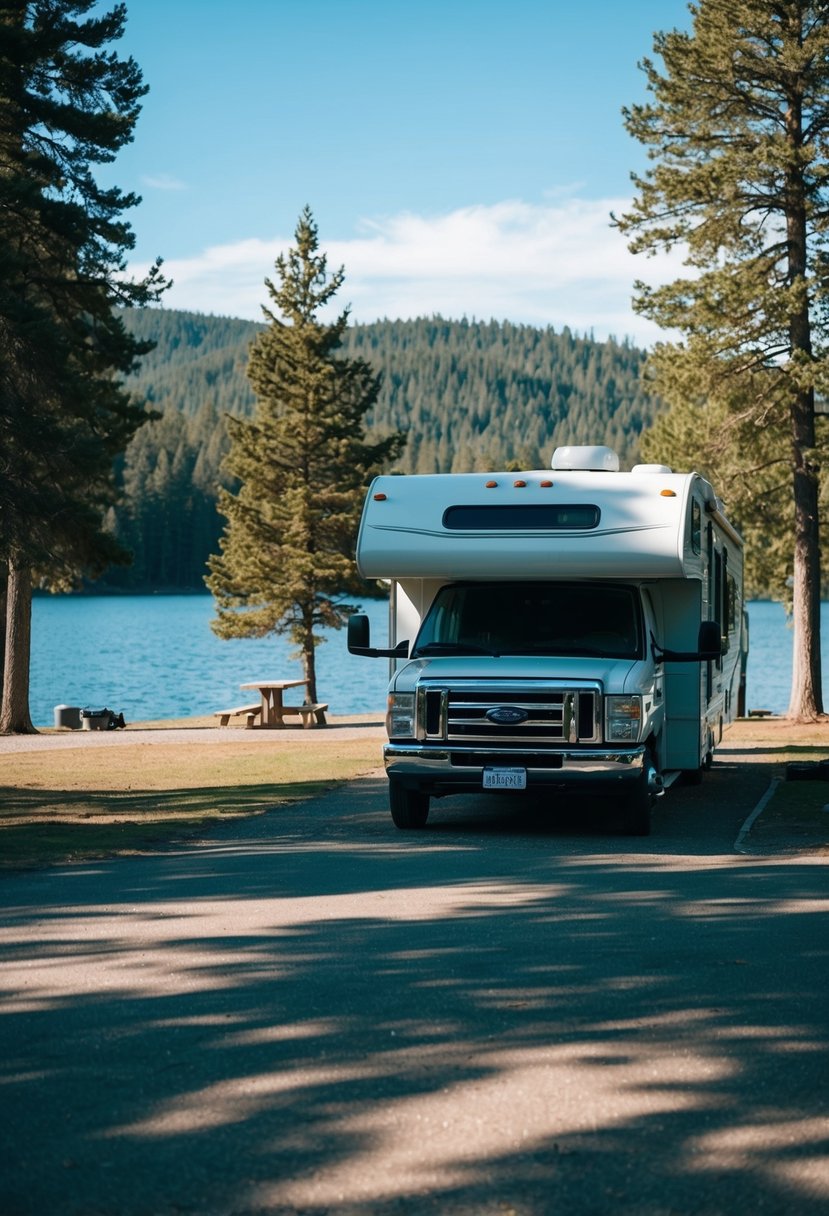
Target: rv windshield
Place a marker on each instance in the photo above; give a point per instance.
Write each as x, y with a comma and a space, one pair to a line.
578, 619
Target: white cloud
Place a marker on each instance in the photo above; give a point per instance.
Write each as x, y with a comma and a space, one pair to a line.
555, 264
162, 181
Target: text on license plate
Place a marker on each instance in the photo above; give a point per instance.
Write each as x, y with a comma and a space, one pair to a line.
505, 778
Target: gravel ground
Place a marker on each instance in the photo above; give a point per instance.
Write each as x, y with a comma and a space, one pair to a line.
200, 731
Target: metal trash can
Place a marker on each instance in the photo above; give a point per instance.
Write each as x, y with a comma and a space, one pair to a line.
68, 716
95, 719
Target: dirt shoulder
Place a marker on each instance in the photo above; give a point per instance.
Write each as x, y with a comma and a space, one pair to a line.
795, 818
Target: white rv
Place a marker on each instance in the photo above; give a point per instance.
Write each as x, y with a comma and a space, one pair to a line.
578, 628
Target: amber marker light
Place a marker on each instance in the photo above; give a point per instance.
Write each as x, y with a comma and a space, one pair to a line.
667, 493
545, 485
519, 484
490, 485
379, 498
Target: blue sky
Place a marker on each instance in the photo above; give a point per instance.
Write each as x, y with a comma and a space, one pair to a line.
460, 158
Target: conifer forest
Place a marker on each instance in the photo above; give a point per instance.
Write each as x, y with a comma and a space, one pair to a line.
469, 396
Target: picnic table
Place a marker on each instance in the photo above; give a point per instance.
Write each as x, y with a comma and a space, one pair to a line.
273, 708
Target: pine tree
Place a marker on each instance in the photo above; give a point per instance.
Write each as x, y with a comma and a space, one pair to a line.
67, 104
303, 465
738, 130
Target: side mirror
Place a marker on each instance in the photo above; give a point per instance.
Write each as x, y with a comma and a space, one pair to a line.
359, 633
709, 647
709, 642
359, 641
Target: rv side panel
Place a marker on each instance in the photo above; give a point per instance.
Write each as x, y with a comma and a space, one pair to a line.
681, 605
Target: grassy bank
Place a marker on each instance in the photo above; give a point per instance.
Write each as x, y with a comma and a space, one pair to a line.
88, 802
83, 802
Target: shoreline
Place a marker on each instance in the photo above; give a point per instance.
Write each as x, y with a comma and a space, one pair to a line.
203, 729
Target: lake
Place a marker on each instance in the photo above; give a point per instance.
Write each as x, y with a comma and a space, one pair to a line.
154, 656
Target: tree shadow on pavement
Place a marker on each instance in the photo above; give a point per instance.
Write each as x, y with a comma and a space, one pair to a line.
50, 826
324, 1016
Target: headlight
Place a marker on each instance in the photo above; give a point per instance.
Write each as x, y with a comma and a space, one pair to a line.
623, 719
400, 723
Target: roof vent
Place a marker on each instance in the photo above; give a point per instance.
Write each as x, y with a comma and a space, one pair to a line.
594, 459
651, 468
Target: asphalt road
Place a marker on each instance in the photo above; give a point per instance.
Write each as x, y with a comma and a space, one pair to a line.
517, 1010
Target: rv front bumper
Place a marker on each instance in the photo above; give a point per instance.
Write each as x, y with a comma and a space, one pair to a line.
453, 769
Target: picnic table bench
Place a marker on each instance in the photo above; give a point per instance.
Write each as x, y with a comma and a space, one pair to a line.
249, 712
312, 715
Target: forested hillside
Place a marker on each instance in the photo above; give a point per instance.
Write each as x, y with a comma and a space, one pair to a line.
469, 395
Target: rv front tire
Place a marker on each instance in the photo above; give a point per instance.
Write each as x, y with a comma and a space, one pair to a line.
637, 812
637, 805
409, 808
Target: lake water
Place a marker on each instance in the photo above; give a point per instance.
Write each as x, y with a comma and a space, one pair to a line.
155, 656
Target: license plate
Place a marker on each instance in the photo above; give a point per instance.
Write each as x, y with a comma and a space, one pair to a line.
505, 778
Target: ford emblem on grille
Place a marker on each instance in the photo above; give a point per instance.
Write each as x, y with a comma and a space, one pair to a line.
507, 715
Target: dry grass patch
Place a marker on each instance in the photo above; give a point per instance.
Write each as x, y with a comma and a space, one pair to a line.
780, 732
75, 803
165, 766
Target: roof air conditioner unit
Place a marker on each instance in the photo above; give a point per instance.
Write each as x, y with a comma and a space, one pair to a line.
594, 459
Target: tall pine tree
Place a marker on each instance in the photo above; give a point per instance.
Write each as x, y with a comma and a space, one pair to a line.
67, 105
738, 131
303, 464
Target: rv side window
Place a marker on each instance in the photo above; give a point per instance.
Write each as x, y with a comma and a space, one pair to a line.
718, 599
733, 604
696, 526
543, 517
579, 619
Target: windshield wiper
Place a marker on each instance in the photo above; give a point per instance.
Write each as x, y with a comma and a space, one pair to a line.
575, 652
452, 648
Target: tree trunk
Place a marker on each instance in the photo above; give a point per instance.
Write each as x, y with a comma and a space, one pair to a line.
2, 629
806, 702
309, 668
14, 715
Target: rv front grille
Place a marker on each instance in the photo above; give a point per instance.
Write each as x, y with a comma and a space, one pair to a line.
536, 759
514, 715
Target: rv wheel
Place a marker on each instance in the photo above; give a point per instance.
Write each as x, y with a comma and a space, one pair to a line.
636, 807
637, 812
693, 776
409, 808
